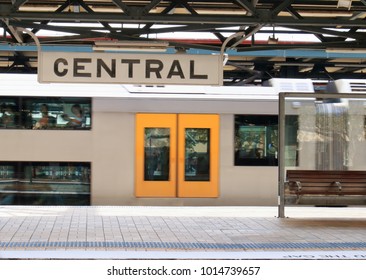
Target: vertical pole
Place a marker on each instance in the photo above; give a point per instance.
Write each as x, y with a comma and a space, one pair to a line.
281, 155
38, 44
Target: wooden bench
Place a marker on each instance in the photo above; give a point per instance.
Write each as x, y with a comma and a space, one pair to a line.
325, 183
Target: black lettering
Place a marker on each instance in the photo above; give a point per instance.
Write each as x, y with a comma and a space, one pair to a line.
150, 69
56, 68
192, 75
78, 67
175, 70
110, 70
130, 63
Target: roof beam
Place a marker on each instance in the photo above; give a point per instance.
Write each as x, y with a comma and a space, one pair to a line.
17, 3
183, 19
150, 6
167, 10
247, 33
353, 35
187, 7
296, 15
122, 6
15, 33
247, 6
58, 10
284, 5
90, 11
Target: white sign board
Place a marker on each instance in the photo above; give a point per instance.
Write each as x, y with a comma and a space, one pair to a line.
120, 68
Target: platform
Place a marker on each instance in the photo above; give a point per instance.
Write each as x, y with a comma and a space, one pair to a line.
144, 232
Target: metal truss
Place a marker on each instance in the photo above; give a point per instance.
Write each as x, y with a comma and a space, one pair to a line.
335, 26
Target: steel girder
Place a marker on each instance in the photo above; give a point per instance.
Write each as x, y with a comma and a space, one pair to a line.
334, 25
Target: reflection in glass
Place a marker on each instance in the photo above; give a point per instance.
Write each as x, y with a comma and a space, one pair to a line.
256, 140
45, 113
332, 130
60, 114
157, 146
197, 154
41, 183
9, 114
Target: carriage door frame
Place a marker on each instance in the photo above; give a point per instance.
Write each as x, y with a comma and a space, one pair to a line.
176, 155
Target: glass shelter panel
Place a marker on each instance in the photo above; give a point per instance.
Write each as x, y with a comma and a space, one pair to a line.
157, 153
330, 134
197, 158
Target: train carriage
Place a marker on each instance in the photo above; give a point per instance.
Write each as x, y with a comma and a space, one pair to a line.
79, 144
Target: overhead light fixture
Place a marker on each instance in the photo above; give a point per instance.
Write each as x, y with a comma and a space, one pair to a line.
272, 40
344, 4
76, 8
137, 46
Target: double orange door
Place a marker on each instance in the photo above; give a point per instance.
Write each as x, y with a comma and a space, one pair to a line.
176, 155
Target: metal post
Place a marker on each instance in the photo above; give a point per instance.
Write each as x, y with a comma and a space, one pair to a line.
34, 37
281, 155
224, 56
38, 44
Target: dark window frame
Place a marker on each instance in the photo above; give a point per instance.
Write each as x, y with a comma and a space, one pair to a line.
256, 139
45, 183
23, 112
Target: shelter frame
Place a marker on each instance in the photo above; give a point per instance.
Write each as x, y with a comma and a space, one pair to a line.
281, 135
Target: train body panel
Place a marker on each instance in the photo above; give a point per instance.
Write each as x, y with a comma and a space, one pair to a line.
99, 159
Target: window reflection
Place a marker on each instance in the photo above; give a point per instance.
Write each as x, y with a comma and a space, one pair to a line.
40, 183
197, 154
157, 146
45, 113
256, 140
9, 116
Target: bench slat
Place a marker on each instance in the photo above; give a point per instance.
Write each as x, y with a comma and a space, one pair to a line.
318, 182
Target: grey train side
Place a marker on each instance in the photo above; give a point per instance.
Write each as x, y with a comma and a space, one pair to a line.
103, 156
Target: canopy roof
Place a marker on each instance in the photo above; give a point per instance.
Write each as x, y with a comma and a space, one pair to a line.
264, 38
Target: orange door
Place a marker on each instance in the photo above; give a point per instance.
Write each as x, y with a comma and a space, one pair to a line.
160, 138
198, 151
155, 160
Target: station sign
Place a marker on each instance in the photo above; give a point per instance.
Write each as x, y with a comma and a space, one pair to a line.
130, 68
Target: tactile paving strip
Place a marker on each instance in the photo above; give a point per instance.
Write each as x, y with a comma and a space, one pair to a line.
185, 246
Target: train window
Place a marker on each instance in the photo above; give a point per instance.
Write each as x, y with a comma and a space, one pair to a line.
157, 154
45, 113
9, 112
44, 183
197, 154
256, 140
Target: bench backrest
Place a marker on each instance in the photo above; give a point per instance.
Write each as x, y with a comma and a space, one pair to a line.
320, 176
326, 182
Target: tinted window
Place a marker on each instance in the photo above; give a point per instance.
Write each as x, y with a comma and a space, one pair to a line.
44, 183
45, 113
256, 140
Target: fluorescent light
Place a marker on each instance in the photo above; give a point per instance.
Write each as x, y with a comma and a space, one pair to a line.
344, 4
149, 46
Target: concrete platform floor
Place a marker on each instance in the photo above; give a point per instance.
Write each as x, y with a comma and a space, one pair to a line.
181, 232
